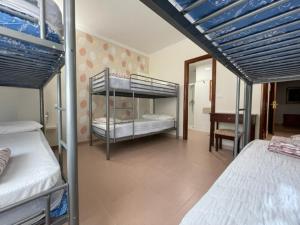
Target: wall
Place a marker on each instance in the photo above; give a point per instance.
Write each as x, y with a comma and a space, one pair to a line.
168, 64
283, 107
93, 55
19, 104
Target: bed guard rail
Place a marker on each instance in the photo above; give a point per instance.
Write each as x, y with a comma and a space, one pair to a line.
137, 84
42, 215
152, 85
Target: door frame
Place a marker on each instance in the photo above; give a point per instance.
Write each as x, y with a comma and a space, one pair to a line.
186, 90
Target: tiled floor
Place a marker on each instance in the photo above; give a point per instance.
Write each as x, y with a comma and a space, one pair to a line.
149, 181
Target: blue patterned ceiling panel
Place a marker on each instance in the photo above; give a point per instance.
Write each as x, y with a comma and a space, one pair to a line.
247, 36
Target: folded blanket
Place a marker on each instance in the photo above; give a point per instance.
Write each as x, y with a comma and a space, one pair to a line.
284, 146
4, 158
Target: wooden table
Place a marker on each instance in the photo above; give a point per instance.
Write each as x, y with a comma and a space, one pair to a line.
217, 118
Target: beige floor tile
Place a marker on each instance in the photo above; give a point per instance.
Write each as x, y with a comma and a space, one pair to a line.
149, 181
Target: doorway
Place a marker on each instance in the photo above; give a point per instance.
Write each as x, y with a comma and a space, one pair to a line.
199, 93
282, 114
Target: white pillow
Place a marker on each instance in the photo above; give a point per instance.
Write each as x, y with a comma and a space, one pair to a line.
165, 117
103, 120
296, 139
150, 116
157, 117
19, 126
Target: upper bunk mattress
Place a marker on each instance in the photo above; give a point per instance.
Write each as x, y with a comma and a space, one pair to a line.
259, 187
31, 170
141, 127
11, 12
138, 85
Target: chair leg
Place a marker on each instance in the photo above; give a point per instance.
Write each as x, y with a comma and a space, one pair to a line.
217, 144
221, 143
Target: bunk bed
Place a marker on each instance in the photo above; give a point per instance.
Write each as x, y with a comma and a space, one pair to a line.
136, 86
32, 52
259, 42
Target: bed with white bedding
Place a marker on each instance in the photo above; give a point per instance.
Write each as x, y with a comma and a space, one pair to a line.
141, 127
32, 169
258, 188
137, 83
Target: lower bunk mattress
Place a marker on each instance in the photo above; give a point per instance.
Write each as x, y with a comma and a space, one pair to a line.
141, 127
31, 170
259, 187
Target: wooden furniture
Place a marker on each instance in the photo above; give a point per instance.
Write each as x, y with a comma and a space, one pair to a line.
227, 134
217, 118
291, 120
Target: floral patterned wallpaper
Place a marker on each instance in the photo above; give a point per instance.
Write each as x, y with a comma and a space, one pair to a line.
93, 55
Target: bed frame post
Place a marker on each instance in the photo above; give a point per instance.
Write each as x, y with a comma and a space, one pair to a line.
107, 113
42, 109
91, 110
237, 109
177, 112
245, 118
59, 120
71, 109
248, 111
42, 20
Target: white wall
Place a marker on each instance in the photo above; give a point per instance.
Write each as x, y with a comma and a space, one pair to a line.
283, 107
168, 64
19, 104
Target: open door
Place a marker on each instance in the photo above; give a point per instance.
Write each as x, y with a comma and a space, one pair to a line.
272, 107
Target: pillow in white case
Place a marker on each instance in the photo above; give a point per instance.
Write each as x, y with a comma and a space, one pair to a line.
19, 126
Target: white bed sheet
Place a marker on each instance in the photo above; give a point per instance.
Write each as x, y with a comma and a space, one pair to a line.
31, 170
140, 127
258, 188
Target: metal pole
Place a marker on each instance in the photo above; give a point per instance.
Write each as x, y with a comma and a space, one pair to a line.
177, 113
249, 110
107, 113
245, 114
42, 20
133, 114
237, 107
71, 109
42, 112
59, 120
114, 115
91, 110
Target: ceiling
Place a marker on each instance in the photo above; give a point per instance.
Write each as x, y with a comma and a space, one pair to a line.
130, 23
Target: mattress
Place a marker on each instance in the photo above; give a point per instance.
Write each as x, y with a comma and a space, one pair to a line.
122, 83
141, 127
259, 187
31, 170
11, 12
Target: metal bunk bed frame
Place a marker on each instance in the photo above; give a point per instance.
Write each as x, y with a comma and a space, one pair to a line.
140, 87
262, 50
38, 81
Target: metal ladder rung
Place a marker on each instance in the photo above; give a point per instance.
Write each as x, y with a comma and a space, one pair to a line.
64, 144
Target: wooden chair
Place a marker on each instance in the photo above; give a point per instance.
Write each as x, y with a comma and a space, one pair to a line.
226, 134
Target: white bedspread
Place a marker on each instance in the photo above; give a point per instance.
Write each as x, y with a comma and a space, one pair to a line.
140, 127
32, 168
258, 188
